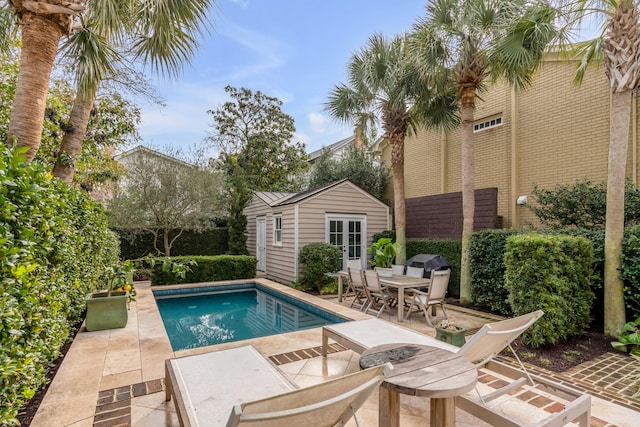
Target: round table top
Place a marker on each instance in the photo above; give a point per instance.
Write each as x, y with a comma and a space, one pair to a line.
421, 370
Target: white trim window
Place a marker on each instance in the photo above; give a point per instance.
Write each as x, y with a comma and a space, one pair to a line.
489, 123
277, 230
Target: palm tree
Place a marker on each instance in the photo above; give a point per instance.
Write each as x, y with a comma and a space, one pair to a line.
473, 41
386, 88
159, 32
618, 46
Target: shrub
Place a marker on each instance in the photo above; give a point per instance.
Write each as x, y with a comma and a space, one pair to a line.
318, 260
52, 237
206, 269
137, 244
390, 234
631, 271
487, 270
550, 273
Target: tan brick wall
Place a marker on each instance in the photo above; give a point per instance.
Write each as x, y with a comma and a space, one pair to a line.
563, 135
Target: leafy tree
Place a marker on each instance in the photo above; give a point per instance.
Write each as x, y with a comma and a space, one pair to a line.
618, 46
160, 34
254, 129
468, 42
385, 87
356, 164
237, 195
113, 123
581, 205
165, 196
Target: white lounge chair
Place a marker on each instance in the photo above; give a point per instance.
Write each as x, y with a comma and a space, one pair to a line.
481, 349
240, 387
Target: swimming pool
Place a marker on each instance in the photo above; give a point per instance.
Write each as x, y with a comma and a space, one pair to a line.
202, 316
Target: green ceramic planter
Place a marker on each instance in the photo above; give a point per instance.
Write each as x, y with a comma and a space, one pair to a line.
454, 337
106, 312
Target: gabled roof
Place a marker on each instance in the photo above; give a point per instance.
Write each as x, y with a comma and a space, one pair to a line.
332, 148
272, 198
297, 197
145, 150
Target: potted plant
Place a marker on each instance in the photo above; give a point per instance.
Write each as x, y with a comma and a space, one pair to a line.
450, 333
384, 251
108, 308
629, 340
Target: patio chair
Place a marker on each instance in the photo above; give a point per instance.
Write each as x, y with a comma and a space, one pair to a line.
353, 264
398, 269
379, 296
239, 386
430, 300
361, 297
415, 271
481, 349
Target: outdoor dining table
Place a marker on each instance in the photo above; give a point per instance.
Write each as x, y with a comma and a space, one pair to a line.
420, 370
399, 282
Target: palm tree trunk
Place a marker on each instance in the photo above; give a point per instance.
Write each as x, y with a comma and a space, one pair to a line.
468, 194
399, 209
40, 38
614, 309
72, 141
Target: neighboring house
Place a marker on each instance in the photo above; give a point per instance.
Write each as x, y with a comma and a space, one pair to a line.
280, 224
553, 133
336, 149
130, 158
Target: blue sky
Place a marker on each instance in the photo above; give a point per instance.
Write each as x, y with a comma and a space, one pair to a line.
295, 50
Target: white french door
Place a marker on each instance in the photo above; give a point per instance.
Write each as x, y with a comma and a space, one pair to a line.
261, 243
349, 233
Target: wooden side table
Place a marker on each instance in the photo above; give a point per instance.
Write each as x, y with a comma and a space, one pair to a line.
420, 370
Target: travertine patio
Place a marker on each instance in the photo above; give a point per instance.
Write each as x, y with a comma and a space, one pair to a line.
116, 377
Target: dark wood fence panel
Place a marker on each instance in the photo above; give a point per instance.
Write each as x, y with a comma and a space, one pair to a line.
441, 215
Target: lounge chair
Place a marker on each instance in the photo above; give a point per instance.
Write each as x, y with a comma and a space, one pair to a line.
480, 349
239, 386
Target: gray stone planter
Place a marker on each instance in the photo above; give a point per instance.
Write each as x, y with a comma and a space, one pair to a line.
106, 312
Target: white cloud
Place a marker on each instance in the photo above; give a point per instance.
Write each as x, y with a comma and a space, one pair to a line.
304, 138
318, 122
243, 3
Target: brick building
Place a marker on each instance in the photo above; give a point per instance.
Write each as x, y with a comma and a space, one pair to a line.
552, 133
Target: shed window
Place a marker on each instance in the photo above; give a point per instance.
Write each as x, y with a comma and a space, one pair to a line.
277, 230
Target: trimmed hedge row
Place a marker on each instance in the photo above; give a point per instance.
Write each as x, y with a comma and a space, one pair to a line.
52, 237
207, 269
208, 242
550, 273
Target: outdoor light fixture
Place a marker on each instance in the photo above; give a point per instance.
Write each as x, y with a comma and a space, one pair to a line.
522, 200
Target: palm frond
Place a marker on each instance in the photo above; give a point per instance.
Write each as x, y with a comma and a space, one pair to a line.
167, 32
93, 58
8, 27
589, 52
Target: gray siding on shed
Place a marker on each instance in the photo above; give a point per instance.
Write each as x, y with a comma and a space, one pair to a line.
345, 198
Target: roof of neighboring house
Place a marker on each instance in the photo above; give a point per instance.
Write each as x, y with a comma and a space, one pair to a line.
274, 199
313, 156
143, 149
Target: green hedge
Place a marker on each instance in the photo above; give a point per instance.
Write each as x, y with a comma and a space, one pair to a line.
550, 273
209, 242
451, 249
631, 271
319, 259
52, 237
208, 269
487, 268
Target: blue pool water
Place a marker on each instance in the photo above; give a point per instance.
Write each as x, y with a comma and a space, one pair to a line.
197, 317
